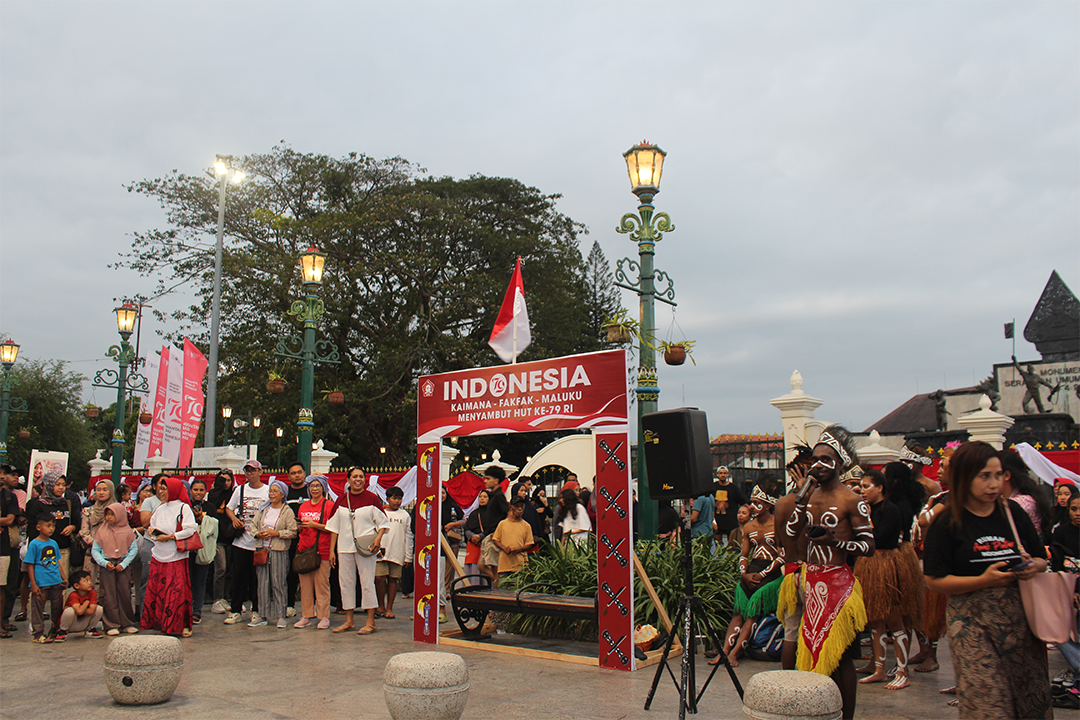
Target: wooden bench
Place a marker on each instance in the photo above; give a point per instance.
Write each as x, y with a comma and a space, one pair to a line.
472, 603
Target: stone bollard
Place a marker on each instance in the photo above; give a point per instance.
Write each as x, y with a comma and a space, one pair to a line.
143, 670
426, 686
791, 695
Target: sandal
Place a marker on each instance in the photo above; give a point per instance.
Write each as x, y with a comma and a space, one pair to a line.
8, 627
366, 630
4, 635
343, 628
389, 615
20, 617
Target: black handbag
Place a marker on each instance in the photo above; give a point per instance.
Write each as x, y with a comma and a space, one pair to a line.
307, 561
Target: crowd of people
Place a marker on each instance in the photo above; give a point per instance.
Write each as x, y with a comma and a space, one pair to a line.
907, 559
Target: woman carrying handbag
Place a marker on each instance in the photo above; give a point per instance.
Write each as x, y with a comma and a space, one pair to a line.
167, 604
274, 528
314, 540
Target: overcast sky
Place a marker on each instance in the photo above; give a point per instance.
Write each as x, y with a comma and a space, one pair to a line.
864, 191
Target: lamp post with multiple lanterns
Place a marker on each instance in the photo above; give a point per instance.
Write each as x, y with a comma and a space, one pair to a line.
9, 351
645, 163
124, 355
306, 349
224, 170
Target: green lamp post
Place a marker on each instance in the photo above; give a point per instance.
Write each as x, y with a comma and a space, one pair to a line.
124, 355
306, 349
645, 163
9, 351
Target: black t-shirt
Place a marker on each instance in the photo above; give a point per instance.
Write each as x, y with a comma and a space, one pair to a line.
981, 542
885, 517
496, 510
729, 520
9, 505
64, 511
296, 498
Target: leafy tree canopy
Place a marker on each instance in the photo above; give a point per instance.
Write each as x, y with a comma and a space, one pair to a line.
415, 273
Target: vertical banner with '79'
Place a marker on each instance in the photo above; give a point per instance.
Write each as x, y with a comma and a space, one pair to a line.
426, 565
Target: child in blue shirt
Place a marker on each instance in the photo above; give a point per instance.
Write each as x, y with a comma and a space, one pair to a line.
46, 579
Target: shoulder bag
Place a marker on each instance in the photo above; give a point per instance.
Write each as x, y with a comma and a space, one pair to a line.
309, 560
363, 543
192, 542
1048, 600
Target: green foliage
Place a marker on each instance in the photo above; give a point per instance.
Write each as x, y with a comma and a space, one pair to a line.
603, 298
54, 417
569, 569
416, 269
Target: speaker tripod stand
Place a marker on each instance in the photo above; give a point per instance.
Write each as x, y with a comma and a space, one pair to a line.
690, 609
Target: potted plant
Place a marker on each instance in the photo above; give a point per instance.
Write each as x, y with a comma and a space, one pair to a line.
145, 417
675, 353
92, 411
621, 328
24, 434
275, 383
334, 397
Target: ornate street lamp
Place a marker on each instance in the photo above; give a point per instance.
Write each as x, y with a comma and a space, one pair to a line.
226, 412
306, 349
9, 351
279, 432
124, 355
224, 170
645, 164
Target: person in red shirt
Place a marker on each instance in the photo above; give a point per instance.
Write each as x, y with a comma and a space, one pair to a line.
315, 586
81, 611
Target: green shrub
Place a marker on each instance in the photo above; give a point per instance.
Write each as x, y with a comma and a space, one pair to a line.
570, 569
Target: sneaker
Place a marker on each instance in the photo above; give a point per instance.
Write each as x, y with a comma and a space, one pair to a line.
282, 623
196, 619
232, 618
219, 607
1066, 678
59, 637
94, 634
324, 624
290, 612
42, 639
303, 623
256, 621
113, 631
131, 629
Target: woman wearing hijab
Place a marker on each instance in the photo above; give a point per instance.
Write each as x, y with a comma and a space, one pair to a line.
167, 603
274, 529
315, 585
93, 515
115, 548
58, 504
531, 516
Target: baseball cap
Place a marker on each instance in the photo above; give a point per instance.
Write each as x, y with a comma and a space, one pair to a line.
253, 464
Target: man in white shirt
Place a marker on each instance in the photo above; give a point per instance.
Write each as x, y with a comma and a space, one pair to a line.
241, 508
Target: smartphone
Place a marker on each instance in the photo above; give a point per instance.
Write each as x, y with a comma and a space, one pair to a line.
154, 532
1018, 564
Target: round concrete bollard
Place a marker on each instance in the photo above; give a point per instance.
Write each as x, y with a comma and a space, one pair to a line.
426, 686
143, 670
791, 695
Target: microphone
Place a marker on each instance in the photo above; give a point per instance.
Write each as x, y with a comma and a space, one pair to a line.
805, 489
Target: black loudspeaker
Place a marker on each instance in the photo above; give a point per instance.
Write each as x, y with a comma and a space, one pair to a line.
677, 455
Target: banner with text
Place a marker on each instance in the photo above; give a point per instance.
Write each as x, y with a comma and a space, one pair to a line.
192, 407
577, 391
146, 404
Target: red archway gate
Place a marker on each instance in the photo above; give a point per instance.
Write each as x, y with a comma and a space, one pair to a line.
586, 391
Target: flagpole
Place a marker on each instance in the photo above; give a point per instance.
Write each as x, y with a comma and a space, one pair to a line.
1014, 336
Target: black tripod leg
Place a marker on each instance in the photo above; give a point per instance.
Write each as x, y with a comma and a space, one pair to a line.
664, 660
687, 692
714, 636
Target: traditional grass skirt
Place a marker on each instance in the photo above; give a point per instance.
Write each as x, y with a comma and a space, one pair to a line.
167, 603
933, 617
1001, 667
912, 585
757, 603
880, 575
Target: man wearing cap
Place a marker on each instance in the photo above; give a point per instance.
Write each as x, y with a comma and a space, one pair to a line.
245, 502
828, 523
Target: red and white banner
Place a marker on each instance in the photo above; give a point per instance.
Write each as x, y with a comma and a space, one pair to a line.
157, 425
174, 399
427, 568
615, 548
146, 404
191, 409
578, 391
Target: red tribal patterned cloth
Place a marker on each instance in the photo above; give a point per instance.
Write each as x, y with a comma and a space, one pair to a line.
833, 615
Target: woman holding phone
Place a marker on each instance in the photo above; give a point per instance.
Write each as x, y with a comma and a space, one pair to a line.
973, 556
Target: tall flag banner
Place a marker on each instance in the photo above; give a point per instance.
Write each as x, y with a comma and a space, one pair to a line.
192, 408
157, 425
511, 334
174, 398
146, 404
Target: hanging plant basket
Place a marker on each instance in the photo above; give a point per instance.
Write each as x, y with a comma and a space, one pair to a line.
335, 397
275, 385
92, 411
618, 334
145, 418
675, 355
24, 434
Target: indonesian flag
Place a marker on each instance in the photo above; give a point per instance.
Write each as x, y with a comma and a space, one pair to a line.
511, 333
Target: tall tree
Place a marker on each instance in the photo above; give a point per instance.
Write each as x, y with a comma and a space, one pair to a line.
602, 297
54, 417
415, 272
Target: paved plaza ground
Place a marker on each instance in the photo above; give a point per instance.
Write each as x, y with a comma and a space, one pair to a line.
240, 672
